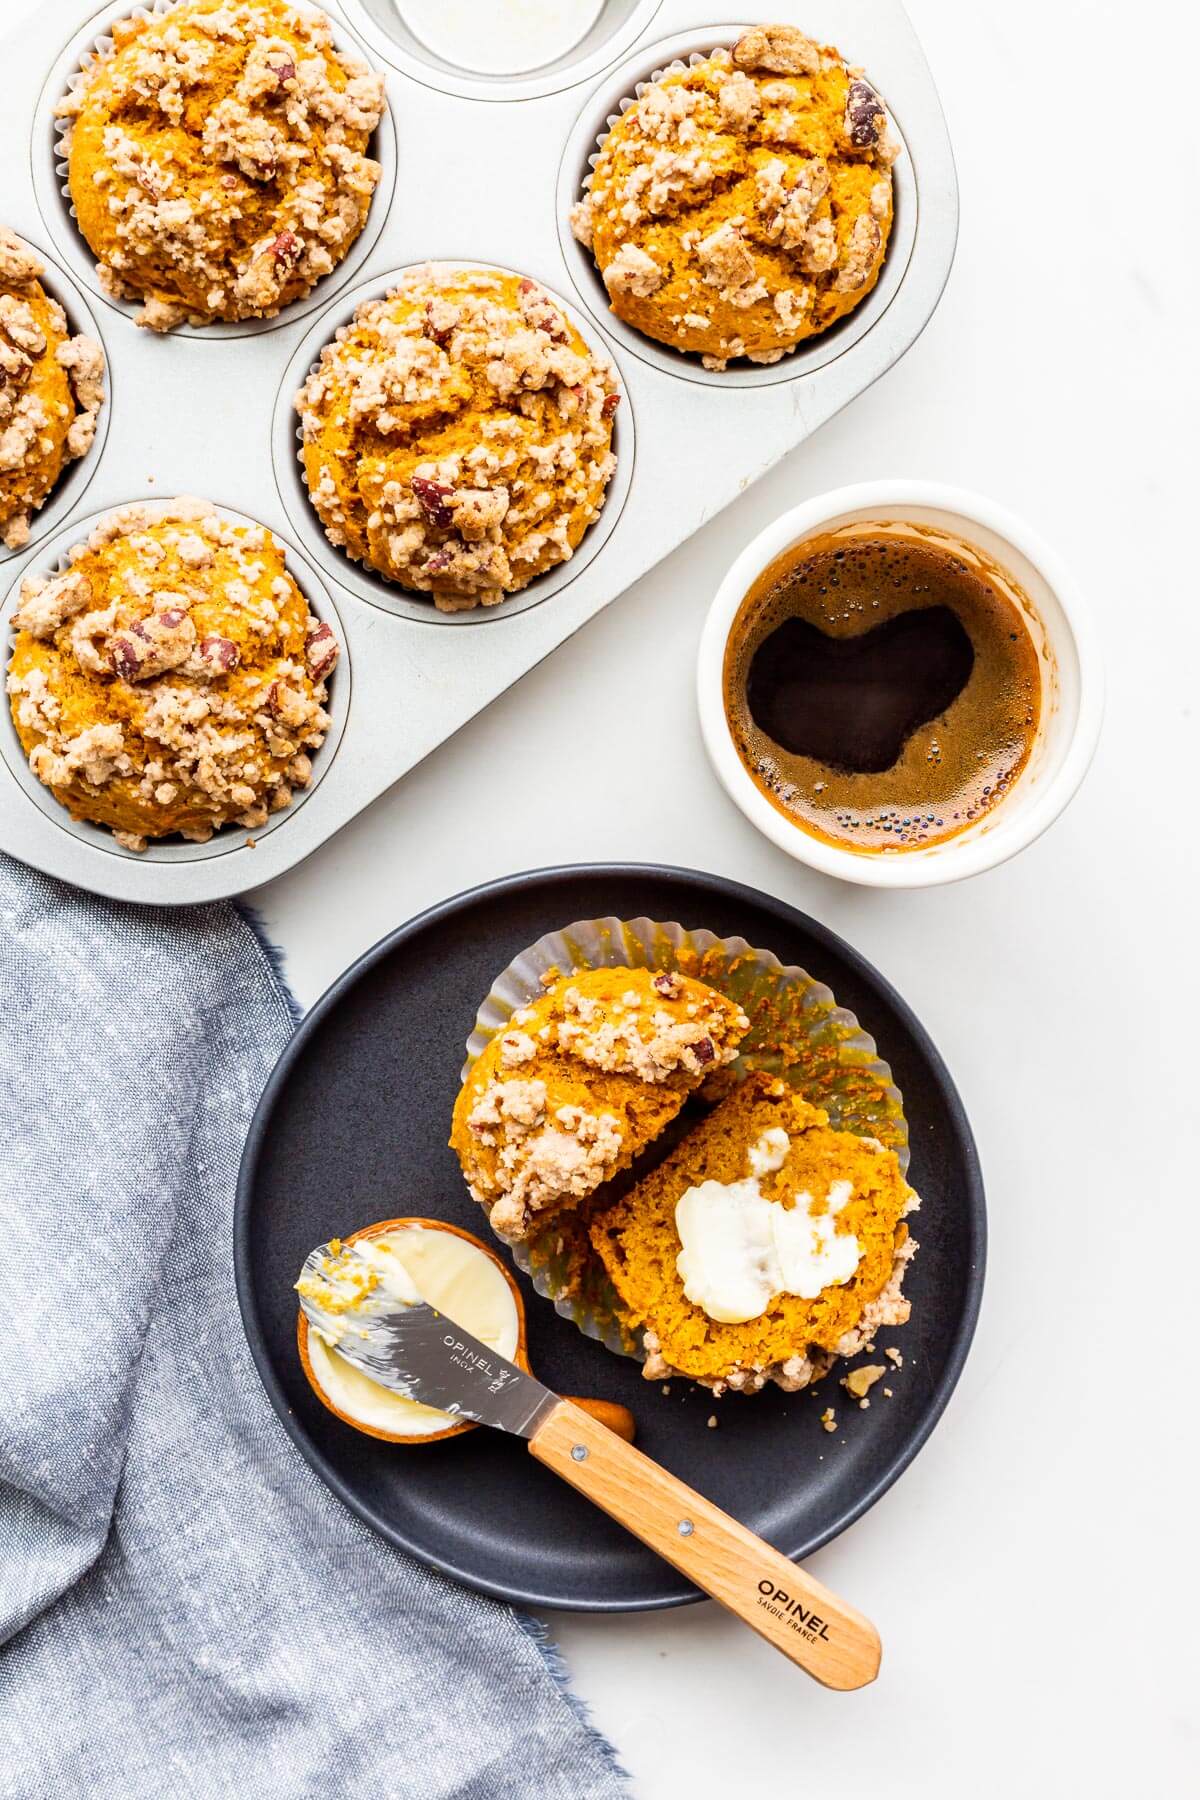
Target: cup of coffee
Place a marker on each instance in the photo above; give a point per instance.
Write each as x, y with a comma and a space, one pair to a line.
899, 684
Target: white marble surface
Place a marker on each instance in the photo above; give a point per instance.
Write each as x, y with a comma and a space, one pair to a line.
1030, 1573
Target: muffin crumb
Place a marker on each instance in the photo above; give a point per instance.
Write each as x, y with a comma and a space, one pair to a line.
859, 1382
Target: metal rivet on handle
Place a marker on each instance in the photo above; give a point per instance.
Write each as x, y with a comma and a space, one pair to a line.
686, 1528
580, 1452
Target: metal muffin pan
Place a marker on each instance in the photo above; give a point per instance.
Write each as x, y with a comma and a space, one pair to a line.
177, 850
381, 23
205, 412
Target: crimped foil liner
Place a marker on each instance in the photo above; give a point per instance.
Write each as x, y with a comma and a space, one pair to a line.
797, 1031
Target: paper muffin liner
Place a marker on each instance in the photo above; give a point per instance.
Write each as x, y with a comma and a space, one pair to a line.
231, 835
101, 46
797, 1032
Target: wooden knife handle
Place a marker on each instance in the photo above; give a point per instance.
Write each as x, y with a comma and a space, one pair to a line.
803, 1619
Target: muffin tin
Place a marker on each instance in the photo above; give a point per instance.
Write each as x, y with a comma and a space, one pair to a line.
465, 180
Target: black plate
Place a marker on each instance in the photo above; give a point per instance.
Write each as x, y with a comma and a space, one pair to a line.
352, 1128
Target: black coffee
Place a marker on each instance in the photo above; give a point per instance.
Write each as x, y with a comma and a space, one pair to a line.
882, 686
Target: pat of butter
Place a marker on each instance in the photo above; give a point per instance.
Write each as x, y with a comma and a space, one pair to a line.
739, 1249
418, 1263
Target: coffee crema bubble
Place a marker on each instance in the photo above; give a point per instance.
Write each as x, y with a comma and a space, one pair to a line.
883, 686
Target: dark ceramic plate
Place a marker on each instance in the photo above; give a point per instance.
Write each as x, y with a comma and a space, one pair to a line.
352, 1128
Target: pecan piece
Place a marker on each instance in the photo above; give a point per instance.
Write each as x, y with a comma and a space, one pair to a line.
705, 1051
219, 655
667, 984
539, 311
125, 656
286, 248
155, 644
321, 651
609, 405
431, 497
865, 117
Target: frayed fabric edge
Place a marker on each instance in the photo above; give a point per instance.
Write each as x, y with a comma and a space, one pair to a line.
556, 1666
534, 1630
274, 955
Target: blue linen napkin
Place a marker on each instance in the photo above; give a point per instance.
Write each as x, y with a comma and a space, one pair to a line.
184, 1608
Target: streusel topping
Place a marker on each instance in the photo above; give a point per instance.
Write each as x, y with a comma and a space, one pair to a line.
217, 158
743, 204
172, 678
457, 434
51, 390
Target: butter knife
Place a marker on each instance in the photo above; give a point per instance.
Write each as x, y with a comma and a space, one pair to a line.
421, 1355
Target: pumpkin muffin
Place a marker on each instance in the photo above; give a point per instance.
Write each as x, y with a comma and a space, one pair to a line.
763, 1247
51, 390
216, 158
743, 204
457, 435
172, 679
580, 1082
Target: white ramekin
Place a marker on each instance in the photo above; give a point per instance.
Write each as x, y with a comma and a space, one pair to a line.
1072, 693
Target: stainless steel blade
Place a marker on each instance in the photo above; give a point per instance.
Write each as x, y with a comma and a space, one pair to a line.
424, 1356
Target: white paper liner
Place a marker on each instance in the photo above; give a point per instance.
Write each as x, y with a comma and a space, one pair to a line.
826, 1056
